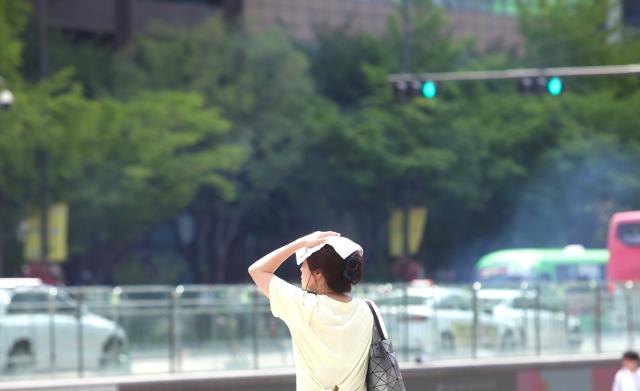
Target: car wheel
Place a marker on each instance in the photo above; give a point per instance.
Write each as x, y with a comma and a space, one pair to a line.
21, 358
113, 355
447, 343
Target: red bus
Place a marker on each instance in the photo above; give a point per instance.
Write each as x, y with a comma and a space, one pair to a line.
624, 247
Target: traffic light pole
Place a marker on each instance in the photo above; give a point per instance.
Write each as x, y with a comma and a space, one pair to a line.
42, 156
601, 70
405, 62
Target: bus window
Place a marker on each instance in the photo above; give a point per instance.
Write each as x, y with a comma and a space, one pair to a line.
629, 234
580, 273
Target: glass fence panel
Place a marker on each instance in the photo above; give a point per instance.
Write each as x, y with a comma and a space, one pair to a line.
452, 322
503, 319
53, 332
102, 342
581, 307
632, 298
612, 318
393, 302
146, 316
556, 329
272, 346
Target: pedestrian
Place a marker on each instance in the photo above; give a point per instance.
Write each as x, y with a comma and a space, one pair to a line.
331, 330
627, 378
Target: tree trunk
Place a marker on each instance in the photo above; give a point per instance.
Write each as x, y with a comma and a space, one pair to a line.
224, 237
108, 257
222, 251
203, 235
221, 247
371, 226
188, 251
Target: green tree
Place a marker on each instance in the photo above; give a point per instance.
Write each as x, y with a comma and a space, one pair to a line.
121, 165
432, 47
13, 19
339, 59
584, 177
162, 149
579, 33
47, 144
261, 84
91, 59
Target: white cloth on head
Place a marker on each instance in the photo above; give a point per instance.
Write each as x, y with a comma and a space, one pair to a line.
343, 246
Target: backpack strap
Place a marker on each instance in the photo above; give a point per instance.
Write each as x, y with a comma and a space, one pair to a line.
375, 319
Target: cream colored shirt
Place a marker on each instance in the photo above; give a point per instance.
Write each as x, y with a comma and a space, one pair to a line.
331, 338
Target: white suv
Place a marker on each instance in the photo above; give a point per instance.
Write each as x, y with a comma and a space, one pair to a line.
44, 329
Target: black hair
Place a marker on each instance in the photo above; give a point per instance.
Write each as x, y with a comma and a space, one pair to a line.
631, 355
340, 274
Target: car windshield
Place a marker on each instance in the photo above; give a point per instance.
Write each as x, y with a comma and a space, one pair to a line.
33, 300
24, 301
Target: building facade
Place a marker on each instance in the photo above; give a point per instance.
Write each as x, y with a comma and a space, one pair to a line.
487, 21
495, 21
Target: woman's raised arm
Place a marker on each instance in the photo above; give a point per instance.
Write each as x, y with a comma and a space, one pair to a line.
261, 271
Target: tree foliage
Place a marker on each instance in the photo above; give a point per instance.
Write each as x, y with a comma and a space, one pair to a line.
13, 19
259, 139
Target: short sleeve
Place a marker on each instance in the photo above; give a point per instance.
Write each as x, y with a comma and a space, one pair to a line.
290, 303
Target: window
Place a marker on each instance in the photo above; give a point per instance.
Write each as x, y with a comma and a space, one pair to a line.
454, 302
629, 234
28, 302
37, 301
65, 304
580, 272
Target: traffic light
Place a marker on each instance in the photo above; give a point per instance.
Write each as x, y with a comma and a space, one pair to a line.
422, 86
538, 85
429, 89
554, 86
407, 89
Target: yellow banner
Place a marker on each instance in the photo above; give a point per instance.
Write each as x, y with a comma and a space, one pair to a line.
58, 216
417, 223
396, 233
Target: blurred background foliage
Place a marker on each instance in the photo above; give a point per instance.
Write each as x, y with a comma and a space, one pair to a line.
189, 152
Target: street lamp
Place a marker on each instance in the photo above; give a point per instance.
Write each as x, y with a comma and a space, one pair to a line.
6, 96
6, 100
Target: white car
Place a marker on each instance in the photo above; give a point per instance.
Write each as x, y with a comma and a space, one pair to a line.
44, 329
437, 320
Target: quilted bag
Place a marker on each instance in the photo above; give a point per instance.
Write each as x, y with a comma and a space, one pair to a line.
383, 373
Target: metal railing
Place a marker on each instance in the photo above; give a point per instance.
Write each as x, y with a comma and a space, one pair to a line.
93, 331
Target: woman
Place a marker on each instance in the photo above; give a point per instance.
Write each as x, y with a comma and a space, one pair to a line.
330, 330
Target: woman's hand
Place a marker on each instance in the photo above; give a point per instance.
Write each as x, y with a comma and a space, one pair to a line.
316, 238
261, 271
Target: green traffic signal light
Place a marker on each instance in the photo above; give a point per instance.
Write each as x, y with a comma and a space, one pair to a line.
429, 89
554, 86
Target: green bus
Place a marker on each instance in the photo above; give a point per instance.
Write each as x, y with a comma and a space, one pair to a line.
572, 263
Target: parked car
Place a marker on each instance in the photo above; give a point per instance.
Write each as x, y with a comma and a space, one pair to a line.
42, 328
440, 320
